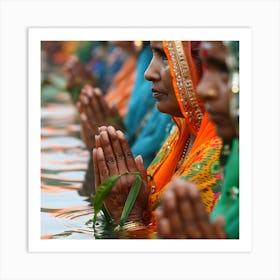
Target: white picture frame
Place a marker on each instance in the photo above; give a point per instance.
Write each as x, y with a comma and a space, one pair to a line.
21, 259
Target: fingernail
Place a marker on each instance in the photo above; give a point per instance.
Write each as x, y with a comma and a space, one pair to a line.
97, 91
111, 129
104, 136
140, 158
120, 134
89, 93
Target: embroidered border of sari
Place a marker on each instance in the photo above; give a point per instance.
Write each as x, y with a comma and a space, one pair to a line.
185, 78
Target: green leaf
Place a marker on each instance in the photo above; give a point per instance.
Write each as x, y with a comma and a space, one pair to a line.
102, 192
106, 214
133, 193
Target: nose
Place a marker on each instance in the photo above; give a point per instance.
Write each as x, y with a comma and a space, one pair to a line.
206, 89
152, 73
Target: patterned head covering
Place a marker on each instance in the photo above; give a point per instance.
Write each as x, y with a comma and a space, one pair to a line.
186, 73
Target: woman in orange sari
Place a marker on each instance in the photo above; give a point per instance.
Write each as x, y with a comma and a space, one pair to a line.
191, 151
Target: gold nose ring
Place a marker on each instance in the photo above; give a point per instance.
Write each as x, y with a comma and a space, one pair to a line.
211, 92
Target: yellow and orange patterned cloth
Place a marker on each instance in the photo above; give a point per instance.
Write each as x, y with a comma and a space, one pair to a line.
202, 163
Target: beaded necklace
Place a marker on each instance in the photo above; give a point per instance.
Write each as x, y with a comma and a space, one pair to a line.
186, 151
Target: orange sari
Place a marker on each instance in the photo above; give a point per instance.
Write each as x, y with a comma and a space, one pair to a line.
202, 163
121, 88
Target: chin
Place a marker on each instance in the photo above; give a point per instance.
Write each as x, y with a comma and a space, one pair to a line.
161, 108
174, 112
226, 133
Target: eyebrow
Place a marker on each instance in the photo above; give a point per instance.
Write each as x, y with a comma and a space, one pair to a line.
158, 50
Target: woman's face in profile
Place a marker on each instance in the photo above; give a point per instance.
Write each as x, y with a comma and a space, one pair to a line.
158, 72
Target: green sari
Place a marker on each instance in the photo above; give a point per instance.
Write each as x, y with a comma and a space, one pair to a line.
228, 202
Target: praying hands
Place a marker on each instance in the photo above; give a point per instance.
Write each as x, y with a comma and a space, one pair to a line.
75, 72
95, 112
112, 156
182, 214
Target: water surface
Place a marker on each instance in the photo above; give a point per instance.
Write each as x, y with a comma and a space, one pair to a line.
65, 214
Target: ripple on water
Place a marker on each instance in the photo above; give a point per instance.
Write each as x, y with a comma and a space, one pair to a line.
62, 143
68, 176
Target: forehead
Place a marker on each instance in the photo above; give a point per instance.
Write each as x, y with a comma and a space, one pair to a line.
156, 44
214, 49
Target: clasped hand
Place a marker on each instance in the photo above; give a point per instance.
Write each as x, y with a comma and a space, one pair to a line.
183, 215
112, 156
75, 72
95, 112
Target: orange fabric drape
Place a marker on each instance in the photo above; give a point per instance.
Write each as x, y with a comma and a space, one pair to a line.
120, 91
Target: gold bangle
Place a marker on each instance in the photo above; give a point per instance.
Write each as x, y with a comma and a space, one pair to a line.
130, 226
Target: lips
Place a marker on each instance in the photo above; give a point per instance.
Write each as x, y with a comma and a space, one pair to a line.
157, 94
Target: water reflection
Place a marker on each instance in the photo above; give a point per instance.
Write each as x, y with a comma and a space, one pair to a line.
65, 214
